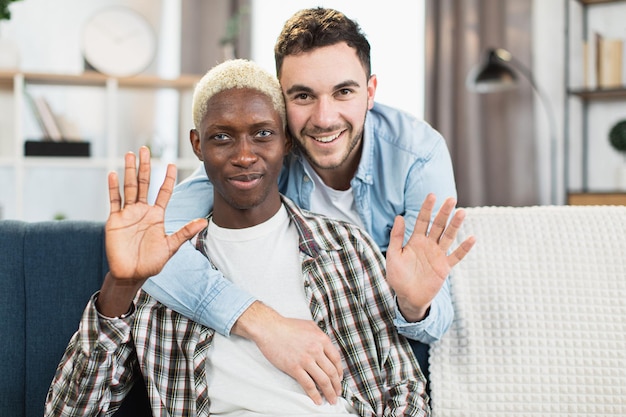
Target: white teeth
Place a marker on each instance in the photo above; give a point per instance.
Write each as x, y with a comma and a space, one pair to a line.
326, 139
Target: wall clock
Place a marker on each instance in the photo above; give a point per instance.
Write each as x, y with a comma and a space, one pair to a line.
118, 41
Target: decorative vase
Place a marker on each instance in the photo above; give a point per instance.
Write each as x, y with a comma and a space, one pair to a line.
9, 53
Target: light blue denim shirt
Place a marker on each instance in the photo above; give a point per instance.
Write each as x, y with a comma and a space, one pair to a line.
403, 159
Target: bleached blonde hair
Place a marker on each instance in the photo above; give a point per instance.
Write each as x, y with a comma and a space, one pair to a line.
236, 73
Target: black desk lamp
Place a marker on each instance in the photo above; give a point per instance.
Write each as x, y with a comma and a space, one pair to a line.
496, 74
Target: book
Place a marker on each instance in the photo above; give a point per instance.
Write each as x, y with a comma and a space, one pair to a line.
46, 119
610, 56
590, 66
40, 123
603, 64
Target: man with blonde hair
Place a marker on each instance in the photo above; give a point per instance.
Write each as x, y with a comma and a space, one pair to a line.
306, 266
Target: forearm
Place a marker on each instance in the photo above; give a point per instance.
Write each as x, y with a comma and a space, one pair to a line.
116, 296
191, 199
434, 325
96, 369
412, 314
251, 323
191, 286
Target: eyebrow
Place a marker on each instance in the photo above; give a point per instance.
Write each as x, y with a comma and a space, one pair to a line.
299, 88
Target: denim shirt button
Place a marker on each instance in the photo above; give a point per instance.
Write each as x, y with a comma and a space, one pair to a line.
306, 178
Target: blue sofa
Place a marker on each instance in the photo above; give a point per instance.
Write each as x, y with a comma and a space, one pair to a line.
48, 271
544, 288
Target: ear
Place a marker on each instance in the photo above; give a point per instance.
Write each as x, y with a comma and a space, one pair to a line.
194, 138
371, 90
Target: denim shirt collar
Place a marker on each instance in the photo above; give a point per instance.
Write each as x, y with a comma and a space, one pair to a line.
366, 164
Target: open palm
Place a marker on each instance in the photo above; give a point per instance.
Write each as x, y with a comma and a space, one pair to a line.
136, 244
418, 270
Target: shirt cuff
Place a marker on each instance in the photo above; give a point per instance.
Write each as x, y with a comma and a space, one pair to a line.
99, 332
416, 330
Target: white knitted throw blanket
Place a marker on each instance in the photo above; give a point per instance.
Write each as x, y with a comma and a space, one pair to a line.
540, 316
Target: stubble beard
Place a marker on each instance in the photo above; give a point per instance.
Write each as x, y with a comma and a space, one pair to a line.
355, 141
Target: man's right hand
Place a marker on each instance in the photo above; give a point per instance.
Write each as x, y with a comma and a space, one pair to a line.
297, 347
136, 244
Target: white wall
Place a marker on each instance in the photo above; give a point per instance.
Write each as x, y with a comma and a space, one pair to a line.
548, 59
48, 32
394, 29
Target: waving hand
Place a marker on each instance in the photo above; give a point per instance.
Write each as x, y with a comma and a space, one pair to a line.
418, 270
136, 244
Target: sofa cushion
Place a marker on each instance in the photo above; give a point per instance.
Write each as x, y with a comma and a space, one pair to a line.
12, 311
56, 295
540, 307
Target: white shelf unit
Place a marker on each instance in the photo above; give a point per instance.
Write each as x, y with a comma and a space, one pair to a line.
37, 188
589, 111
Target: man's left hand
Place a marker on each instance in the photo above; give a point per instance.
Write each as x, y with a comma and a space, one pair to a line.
418, 270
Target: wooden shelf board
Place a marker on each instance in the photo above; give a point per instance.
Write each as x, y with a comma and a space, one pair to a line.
182, 82
6, 79
588, 2
599, 94
91, 78
596, 198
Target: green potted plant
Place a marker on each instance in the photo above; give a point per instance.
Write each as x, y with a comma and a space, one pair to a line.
5, 13
617, 138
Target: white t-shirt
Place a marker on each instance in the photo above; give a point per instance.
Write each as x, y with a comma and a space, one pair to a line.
336, 204
265, 261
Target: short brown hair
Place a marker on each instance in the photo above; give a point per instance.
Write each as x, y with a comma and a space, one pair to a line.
317, 27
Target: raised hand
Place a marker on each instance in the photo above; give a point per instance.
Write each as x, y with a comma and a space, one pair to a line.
418, 270
136, 244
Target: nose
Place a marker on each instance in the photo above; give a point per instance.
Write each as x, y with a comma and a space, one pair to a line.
324, 113
244, 153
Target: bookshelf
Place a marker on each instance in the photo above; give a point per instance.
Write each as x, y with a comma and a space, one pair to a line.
590, 107
35, 188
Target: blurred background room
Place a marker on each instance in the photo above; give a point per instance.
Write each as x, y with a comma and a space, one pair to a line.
69, 110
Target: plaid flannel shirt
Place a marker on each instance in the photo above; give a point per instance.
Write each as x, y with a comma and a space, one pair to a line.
344, 280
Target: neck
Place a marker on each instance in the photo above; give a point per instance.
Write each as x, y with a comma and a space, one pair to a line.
229, 217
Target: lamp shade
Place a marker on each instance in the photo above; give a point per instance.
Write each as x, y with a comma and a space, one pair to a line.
494, 74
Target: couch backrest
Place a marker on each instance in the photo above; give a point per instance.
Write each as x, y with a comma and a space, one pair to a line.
12, 319
540, 316
48, 271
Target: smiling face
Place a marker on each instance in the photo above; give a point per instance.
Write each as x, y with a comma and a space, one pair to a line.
327, 95
242, 142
